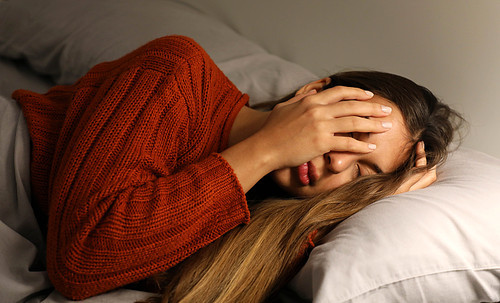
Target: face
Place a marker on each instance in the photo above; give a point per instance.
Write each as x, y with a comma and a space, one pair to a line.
338, 168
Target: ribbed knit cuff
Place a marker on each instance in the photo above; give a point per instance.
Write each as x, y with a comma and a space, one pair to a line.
233, 199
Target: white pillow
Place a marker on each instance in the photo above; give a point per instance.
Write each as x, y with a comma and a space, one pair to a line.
439, 244
65, 38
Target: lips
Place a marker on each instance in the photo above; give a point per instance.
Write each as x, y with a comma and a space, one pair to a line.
307, 173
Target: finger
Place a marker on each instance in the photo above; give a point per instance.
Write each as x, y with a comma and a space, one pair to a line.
349, 144
358, 108
418, 181
299, 97
408, 183
427, 179
421, 158
339, 93
360, 125
318, 85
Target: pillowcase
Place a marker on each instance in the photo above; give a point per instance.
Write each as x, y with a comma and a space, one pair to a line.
65, 38
439, 244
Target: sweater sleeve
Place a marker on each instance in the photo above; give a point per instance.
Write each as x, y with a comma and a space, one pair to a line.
108, 239
130, 195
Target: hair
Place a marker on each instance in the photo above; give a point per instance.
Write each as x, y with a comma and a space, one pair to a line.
250, 263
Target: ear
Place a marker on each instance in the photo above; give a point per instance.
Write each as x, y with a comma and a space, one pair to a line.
317, 85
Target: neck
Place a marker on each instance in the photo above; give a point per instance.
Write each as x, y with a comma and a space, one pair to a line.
247, 122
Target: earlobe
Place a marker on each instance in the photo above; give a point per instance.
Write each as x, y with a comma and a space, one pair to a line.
317, 85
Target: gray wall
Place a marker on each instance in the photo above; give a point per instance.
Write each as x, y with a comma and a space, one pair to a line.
449, 46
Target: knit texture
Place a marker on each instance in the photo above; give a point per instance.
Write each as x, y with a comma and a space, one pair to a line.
125, 163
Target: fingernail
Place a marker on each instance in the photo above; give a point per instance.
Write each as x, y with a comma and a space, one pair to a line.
387, 124
422, 145
386, 109
372, 146
369, 93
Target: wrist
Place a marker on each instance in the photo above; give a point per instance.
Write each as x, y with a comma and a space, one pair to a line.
250, 159
265, 151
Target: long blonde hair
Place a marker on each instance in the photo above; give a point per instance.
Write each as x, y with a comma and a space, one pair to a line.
252, 262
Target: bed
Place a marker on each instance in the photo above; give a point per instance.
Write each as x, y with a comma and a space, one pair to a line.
439, 244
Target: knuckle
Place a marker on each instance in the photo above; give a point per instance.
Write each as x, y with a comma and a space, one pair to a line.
308, 100
318, 142
349, 143
279, 105
314, 112
347, 106
375, 125
354, 123
345, 90
341, 89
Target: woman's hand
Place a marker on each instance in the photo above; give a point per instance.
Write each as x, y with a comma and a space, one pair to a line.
422, 179
305, 126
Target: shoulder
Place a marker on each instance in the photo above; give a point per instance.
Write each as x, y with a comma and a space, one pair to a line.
181, 47
165, 56
173, 55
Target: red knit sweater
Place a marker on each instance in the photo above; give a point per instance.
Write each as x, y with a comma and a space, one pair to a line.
125, 162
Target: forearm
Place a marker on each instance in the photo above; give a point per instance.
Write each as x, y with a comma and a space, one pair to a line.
138, 227
250, 159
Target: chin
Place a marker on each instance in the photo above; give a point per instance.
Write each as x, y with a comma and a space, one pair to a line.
287, 180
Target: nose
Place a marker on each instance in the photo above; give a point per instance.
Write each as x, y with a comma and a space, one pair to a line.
339, 162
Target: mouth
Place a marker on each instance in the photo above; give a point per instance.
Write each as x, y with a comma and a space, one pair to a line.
307, 174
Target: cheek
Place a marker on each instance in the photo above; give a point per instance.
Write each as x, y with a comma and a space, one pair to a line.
283, 177
333, 181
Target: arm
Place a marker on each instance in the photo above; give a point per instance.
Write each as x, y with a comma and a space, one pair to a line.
136, 184
146, 224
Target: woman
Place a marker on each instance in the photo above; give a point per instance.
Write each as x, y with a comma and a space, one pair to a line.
148, 158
